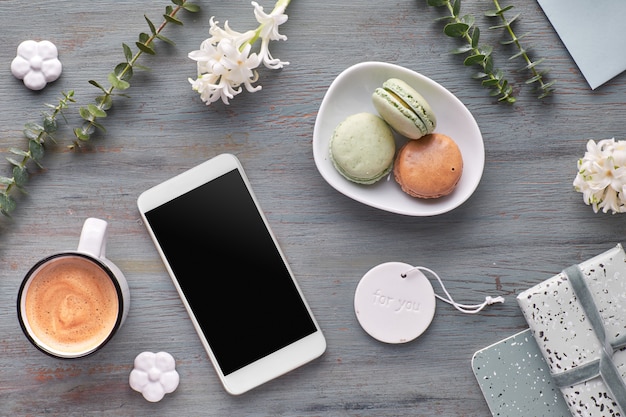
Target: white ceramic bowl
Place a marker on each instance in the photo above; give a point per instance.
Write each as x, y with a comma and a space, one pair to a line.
351, 93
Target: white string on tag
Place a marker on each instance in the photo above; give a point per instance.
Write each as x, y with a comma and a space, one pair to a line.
464, 308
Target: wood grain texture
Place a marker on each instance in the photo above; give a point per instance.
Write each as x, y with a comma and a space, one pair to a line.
523, 224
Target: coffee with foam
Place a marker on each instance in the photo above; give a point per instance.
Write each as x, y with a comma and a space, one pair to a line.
71, 304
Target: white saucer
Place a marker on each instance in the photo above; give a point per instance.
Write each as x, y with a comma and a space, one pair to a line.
351, 92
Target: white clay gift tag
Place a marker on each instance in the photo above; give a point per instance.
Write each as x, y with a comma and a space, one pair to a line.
393, 309
395, 302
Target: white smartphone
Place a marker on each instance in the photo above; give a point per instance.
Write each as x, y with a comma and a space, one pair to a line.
230, 273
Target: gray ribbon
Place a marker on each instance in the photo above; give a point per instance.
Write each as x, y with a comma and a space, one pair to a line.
603, 367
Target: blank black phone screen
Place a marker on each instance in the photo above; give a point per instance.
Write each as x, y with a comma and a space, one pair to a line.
230, 271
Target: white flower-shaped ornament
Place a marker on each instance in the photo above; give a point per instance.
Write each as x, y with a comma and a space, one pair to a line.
154, 375
36, 63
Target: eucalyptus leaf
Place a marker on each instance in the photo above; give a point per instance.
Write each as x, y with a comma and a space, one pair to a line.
96, 111
98, 126
473, 60
13, 161
123, 71
50, 124
145, 48
490, 82
190, 7
475, 38
468, 19
165, 39
85, 114
128, 54
518, 54
486, 49
514, 18
89, 128
34, 127
36, 150
32, 134
462, 49
117, 83
172, 19
479, 75
456, 29
96, 84
106, 102
151, 25
81, 134
20, 175
531, 65
7, 204
142, 67
498, 26
456, 7
19, 152
488, 66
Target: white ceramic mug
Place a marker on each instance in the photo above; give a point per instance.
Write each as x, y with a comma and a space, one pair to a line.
70, 304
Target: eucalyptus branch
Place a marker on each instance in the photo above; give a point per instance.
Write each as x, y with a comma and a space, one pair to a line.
463, 27
37, 135
545, 88
123, 72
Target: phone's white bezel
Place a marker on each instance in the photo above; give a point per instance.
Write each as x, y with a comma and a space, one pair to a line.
271, 366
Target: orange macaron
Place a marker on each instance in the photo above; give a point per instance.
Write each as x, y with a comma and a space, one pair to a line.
429, 167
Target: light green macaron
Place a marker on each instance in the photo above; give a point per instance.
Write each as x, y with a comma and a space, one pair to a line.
406, 111
362, 148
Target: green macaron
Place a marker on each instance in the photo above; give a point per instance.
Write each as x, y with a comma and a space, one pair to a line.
362, 148
406, 111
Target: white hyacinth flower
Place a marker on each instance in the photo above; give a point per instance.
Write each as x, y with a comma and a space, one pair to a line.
601, 176
225, 61
269, 32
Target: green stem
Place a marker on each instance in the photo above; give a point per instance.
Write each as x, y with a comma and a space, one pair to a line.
150, 40
104, 102
36, 135
492, 80
530, 65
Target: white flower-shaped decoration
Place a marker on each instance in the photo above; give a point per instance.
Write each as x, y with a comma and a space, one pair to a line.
154, 375
601, 176
36, 63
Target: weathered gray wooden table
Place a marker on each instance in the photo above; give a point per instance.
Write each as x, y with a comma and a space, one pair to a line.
523, 224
